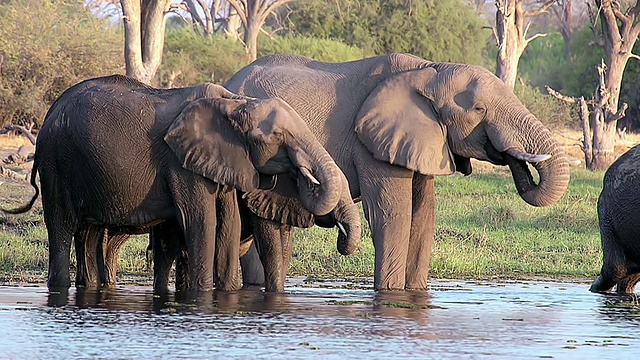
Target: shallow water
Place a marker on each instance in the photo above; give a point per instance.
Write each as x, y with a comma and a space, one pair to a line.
454, 319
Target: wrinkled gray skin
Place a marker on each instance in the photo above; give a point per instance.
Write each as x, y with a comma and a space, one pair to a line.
393, 122
117, 157
619, 220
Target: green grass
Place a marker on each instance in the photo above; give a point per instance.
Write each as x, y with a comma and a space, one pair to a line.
483, 230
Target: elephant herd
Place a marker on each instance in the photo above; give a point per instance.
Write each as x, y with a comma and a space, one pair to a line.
220, 176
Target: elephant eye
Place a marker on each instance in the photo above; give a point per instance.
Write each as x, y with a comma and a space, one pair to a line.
479, 108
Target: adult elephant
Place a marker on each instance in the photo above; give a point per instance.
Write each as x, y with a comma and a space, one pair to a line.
620, 225
117, 157
393, 122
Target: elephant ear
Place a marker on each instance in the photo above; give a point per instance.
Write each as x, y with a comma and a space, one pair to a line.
280, 204
208, 141
398, 124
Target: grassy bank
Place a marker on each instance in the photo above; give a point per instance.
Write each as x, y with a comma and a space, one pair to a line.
483, 229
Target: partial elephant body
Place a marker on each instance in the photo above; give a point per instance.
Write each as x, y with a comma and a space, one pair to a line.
392, 123
117, 157
619, 221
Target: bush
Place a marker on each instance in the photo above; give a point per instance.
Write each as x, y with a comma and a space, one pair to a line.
191, 58
434, 30
550, 111
46, 47
318, 49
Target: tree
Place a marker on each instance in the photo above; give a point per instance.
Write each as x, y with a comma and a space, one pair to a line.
57, 45
385, 26
620, 28
144, 27
510, 33
253, 14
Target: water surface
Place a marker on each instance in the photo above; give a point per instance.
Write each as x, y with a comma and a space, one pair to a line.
454, 319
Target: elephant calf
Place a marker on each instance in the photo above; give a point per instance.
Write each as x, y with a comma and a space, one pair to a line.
619, 220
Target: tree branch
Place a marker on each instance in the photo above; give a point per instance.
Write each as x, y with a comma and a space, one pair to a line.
559, 96
21, 129
540, 11
534, 37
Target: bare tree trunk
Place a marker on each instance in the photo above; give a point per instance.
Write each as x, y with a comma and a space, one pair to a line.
232, 24
253, 14
144, 26
510, 35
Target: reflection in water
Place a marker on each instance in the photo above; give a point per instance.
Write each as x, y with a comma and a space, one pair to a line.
452, 319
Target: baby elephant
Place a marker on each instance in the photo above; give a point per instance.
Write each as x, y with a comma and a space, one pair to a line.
619, 220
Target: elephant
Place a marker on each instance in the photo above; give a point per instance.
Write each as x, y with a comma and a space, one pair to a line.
619, 223
395, 121
118, 157
282, 206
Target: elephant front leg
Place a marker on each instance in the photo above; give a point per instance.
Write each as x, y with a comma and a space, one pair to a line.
227, 261
197, 217
386, 198
423, 221
267, 237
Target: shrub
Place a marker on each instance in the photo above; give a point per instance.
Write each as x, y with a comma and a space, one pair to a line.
191, 58
46, 47
318, 49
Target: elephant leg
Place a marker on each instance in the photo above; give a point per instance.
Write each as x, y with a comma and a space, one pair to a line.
386, 198
267, 238
87, 243
286, 237
110, 250
165, 241
198, 224
628, 284
61, 226
614, 266
227, 242
423, 223
252, 269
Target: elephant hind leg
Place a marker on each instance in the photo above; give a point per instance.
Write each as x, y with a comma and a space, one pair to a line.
165, 239
252, 269
88, 244
267, 237
614, 266
628, 284
110, 250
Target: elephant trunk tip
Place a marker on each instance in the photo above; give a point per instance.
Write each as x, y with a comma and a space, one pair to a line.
348, 240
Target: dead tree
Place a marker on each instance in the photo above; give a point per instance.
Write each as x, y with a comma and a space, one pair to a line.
510, 33
253, 14
144, 27
599, 123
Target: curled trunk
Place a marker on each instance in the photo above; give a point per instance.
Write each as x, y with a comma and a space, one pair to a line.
322, 197
553, 172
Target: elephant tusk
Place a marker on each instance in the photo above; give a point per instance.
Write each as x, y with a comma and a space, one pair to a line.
530, 158
342, 229
274, 179
308, 175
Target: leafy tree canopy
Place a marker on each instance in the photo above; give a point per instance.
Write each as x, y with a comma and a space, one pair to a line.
432, 29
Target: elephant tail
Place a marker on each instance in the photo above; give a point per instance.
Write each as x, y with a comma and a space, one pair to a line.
29, 205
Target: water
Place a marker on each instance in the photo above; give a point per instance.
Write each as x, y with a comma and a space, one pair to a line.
326, 320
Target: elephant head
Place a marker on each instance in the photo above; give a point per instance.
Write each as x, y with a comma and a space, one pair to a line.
281, 205
233, 141
433, 119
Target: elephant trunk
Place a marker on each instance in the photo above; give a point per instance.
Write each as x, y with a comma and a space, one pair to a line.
553, 171
348, 221
319, 182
